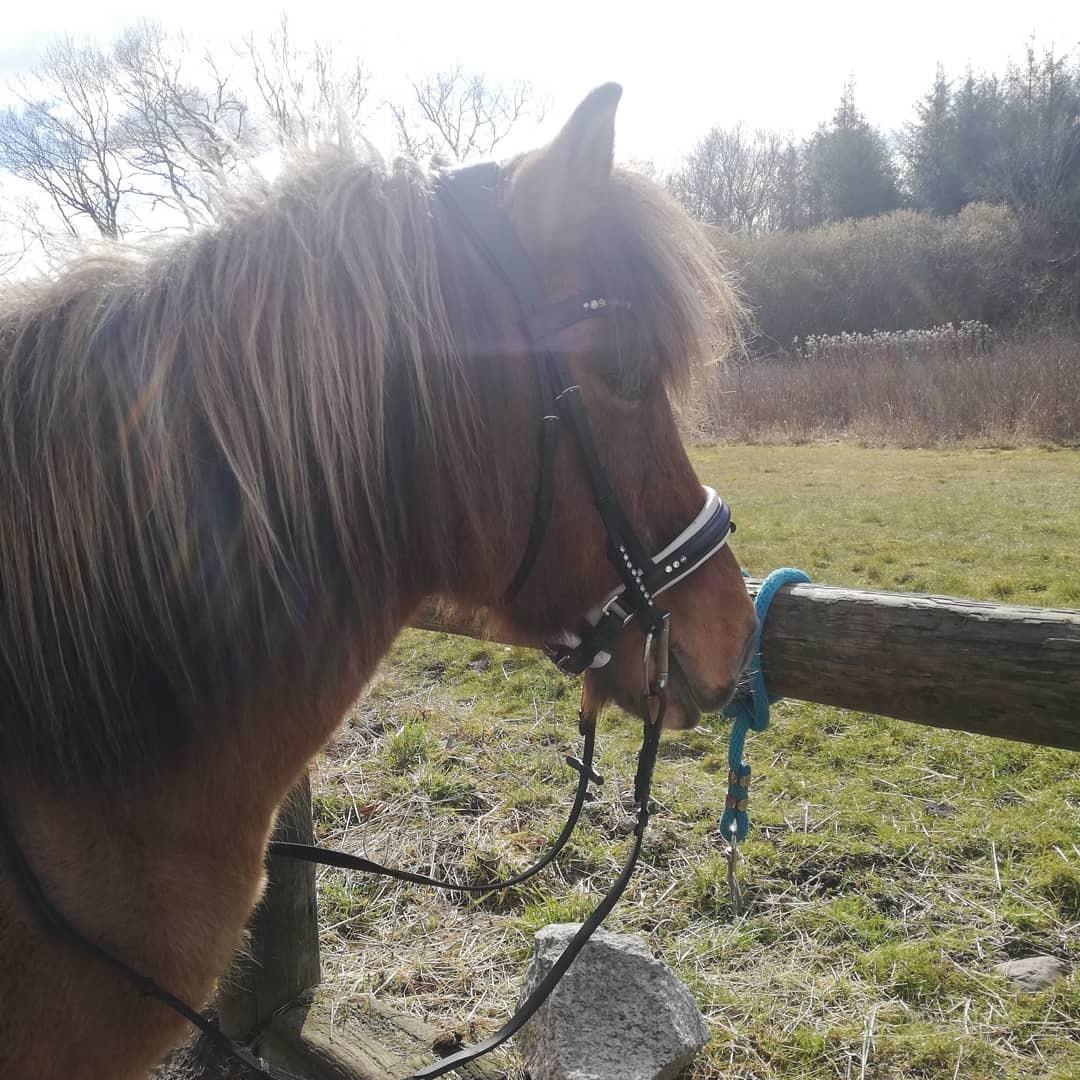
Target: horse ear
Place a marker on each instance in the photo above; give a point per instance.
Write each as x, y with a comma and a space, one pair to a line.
585, 147
554, 187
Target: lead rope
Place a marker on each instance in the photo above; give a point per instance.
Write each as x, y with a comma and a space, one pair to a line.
750, 711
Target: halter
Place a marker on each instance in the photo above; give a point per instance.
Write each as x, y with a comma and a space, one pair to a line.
470, 196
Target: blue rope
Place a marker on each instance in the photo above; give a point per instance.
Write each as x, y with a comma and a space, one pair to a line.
750, 711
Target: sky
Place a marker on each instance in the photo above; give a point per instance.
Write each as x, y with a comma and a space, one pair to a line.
684, 66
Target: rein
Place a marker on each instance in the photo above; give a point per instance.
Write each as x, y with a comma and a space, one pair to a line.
470, 197
344, 861
57, 923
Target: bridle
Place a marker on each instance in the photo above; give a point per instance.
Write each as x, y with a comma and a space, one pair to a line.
469, 197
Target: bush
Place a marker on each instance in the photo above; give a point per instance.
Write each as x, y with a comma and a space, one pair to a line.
903, 270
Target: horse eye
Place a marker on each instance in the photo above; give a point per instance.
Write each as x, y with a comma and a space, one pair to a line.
630, 382
628, 373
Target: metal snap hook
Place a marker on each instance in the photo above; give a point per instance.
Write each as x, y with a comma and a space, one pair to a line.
731, 855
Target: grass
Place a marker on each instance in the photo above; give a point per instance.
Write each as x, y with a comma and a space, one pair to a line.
988, 524
890, 867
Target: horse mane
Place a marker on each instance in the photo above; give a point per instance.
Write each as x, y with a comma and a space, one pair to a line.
211, 448
644, 247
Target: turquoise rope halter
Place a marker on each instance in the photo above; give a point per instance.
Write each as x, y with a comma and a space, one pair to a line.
750, 711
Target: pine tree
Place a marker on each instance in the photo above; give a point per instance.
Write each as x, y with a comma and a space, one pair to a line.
849, 167
931, 152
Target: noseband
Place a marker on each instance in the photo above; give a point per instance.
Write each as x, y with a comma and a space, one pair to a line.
470, 197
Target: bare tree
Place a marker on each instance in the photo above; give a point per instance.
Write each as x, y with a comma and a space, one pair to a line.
306, 96
29, 233
63, 138
16, 238
183, 137
104, 136
461, 116
644, 167
732, 177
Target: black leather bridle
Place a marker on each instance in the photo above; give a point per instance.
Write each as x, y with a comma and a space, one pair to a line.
470, 197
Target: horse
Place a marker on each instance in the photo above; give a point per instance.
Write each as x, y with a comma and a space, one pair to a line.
232, 465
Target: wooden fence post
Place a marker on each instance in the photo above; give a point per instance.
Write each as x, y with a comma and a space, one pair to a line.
284, 956
264, 999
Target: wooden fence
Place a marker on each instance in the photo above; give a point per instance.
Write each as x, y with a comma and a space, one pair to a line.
1011, 672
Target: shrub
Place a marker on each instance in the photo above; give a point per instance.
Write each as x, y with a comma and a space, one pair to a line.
903, 270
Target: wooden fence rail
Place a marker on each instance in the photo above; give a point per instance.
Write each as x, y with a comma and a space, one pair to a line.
993, 669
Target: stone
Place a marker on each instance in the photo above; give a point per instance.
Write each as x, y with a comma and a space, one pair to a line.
1034, 973
617, 1014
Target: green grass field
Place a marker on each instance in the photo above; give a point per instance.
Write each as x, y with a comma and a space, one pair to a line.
889, 868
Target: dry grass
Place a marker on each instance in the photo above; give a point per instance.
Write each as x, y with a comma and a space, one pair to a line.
949, 386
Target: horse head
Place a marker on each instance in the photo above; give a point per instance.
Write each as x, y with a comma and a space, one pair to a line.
588, 230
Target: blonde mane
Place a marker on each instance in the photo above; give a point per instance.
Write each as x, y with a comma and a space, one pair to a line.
198, 449
210, 448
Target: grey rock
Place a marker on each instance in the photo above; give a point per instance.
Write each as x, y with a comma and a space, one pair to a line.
1034, 972
618, 1014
